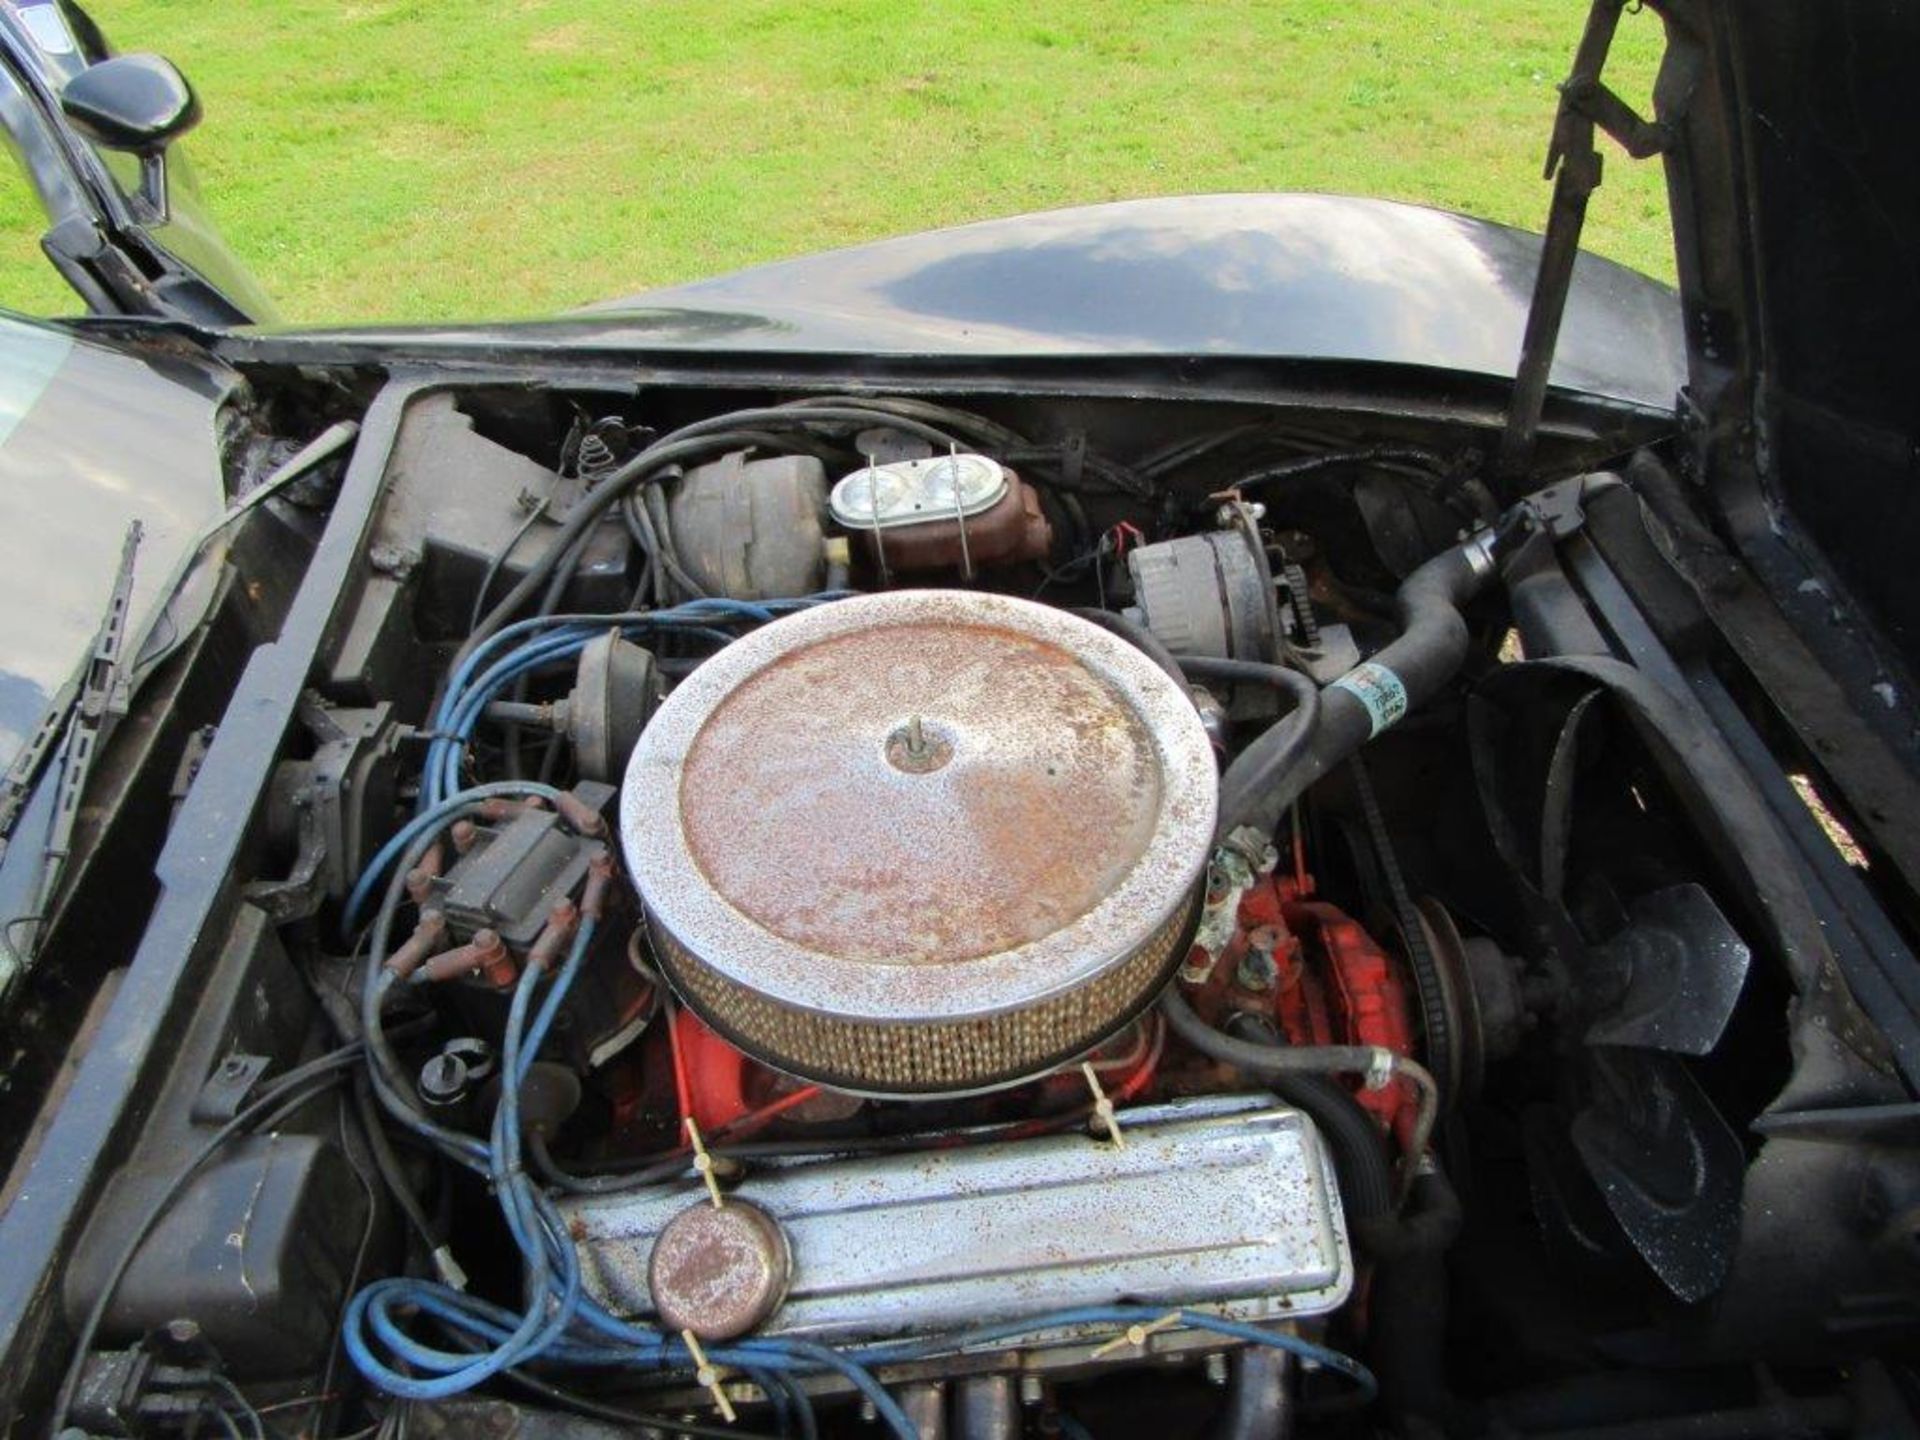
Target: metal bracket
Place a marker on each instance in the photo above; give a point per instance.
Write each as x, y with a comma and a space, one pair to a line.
228, 1088
1640, 138
336, 796
297, 894
1558, 507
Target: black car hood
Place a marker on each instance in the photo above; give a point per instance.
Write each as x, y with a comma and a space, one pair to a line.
1797, 227
1310, 278
1323, 277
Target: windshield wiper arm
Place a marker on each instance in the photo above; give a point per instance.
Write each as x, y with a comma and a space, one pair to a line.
96, 701
104, 679
16, 786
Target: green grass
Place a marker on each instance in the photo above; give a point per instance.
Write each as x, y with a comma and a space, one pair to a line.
380, 159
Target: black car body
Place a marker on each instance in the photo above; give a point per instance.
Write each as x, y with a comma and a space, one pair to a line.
1587, 835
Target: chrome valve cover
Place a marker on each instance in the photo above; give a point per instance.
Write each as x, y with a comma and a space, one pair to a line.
1228, 1203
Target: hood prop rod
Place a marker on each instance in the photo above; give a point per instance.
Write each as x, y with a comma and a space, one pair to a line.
1573, 164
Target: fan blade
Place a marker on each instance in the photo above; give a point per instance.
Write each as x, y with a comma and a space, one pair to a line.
1667, 1166
1671, 978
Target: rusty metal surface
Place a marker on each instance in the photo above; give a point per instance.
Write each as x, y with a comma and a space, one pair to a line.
930, 1057
718, 1271
1225, 1202
1062, 814
1012, 529
804, 807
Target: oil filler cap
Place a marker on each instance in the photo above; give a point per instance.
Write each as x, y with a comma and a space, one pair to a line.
719, 1271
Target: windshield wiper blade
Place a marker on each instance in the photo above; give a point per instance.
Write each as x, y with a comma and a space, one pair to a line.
103, 677
17, 784
101, 697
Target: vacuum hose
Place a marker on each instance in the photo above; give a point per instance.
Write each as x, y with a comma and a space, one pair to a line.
1300, 1075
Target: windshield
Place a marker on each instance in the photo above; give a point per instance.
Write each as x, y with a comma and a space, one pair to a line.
36, 663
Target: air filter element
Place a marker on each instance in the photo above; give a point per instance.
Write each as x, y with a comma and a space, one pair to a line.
923, 842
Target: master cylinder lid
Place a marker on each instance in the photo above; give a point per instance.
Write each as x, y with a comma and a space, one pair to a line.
925, 841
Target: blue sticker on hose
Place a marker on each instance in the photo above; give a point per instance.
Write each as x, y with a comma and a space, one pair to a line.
1377, 688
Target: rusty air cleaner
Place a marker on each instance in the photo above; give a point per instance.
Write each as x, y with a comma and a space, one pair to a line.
921, 842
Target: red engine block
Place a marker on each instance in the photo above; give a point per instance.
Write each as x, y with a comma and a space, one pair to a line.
1322, 978
1305, 963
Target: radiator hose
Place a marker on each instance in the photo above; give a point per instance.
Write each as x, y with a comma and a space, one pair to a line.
1274, 770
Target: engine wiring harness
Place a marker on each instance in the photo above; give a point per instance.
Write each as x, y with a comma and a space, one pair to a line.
417, 1338
559, 1322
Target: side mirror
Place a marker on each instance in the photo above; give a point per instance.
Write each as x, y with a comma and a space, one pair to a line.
136, 103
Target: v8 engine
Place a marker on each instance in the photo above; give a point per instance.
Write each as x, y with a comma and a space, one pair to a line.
975, 915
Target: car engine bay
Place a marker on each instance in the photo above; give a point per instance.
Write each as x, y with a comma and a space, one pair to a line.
877, 909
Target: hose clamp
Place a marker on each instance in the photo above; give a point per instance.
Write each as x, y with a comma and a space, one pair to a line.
1478, 550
